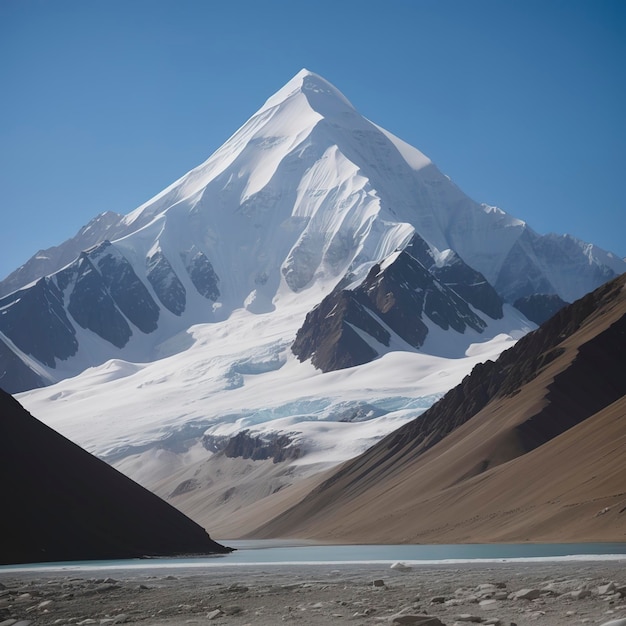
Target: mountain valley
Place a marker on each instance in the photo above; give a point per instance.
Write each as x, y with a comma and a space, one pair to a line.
287, 306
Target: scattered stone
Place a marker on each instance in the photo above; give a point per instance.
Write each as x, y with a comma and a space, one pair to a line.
526, 594
423, 620
232, 610
318, 605
536, 614
401, 567
488, 605
567, 597
24, 597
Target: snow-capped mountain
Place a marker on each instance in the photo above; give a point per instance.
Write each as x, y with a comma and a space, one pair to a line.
311, 241
304, 195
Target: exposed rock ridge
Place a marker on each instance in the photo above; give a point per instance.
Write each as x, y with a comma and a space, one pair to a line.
100, 292
107, 225
352, 326
243, 445
594, 380
50, 335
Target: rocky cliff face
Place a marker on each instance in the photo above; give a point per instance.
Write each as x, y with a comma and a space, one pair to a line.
353, 326
278, 448
15, 374
99, 292
539, 307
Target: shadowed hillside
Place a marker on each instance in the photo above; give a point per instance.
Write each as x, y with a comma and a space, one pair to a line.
60, 503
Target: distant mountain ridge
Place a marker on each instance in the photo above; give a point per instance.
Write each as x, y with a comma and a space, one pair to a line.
107, 225
307, 196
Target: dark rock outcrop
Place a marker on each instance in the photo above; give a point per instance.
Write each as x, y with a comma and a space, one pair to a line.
202, 274
14, 374
328, 336
343, 330
244, 445
91, 304
539, 307
34, 319
60, 503
166, 284
99, 291
455, 274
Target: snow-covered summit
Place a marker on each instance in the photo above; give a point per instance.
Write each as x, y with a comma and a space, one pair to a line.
318, 91
186, 310
343, 192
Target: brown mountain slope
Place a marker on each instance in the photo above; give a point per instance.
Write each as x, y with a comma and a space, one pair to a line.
528, 448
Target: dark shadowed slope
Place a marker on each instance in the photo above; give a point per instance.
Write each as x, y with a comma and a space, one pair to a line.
530, 447
60, 503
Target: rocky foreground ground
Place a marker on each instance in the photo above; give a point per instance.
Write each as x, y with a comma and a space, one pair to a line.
541, 594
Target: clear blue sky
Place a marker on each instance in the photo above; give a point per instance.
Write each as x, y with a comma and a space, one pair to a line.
106, 102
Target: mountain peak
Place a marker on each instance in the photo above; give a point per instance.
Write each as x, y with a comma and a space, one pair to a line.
322, 96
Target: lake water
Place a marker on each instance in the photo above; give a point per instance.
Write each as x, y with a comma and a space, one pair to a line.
280, 552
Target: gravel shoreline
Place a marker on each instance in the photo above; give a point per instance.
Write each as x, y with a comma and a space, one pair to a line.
538, 593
